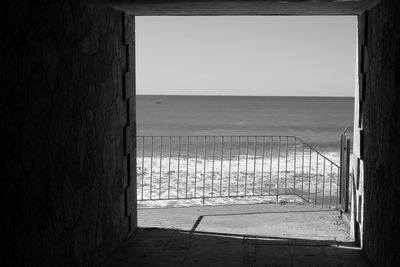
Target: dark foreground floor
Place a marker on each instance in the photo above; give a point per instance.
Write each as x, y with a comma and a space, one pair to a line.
168, 247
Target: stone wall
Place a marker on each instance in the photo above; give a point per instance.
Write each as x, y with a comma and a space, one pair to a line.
381, 123
65, 133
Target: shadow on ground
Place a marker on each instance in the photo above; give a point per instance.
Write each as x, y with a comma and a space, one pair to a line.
168, 247
277, 220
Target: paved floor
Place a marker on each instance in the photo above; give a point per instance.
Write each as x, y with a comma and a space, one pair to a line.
271, 220
243, 235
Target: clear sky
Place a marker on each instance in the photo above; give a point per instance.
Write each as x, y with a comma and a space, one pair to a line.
246, 55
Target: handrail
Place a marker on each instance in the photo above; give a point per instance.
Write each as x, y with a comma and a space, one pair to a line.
345, 129
304, 143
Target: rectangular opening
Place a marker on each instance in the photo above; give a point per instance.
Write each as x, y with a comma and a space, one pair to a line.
243, 110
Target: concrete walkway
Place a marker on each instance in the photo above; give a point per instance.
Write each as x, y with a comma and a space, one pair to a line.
271, 220
242, 235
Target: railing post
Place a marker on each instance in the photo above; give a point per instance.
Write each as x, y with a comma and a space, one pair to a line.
347, 180
344, 172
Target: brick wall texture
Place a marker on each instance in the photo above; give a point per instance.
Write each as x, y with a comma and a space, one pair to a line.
381, 229
65, 155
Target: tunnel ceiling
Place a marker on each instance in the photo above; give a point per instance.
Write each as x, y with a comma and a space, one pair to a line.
238, 7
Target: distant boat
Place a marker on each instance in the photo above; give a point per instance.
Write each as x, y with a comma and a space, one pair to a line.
158, 102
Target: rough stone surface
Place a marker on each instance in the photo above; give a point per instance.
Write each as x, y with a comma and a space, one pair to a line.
238, 7
62, 113
381, 226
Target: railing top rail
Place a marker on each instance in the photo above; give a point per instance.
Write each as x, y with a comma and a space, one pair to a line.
239, 136
325, 158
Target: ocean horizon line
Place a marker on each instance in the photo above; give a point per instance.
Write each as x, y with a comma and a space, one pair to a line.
274, 96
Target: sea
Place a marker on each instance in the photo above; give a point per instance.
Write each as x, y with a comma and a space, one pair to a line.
198, 163
318, 121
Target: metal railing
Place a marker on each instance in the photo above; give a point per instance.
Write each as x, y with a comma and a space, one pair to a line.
202, 167
345, 174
